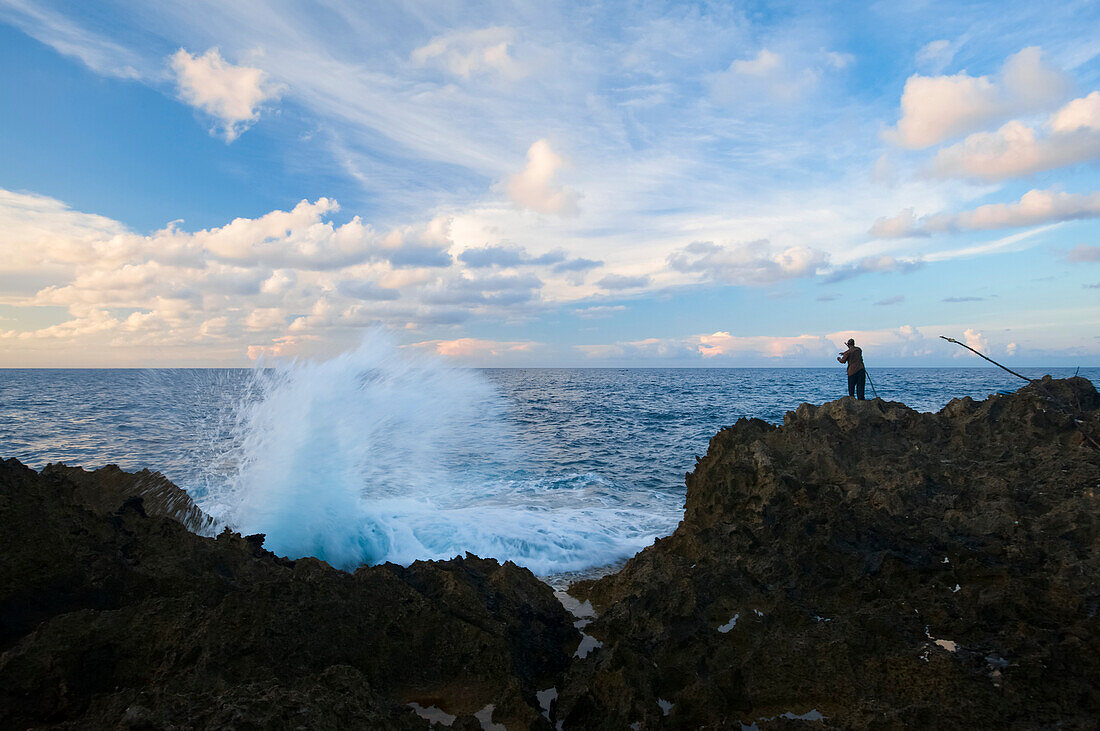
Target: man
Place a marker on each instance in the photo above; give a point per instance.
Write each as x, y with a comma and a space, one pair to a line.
857, 377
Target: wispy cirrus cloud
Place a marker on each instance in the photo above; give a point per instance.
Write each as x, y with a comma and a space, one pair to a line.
469, 53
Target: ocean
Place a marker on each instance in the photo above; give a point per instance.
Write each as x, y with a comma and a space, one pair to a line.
375, 456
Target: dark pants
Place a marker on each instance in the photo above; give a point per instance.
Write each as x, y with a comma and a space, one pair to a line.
856, 383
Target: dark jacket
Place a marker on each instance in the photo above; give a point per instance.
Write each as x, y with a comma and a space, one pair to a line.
853, 356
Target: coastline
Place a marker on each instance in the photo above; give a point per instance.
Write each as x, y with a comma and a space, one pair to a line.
862, 564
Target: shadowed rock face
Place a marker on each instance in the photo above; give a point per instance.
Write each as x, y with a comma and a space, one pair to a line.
886, 568
111, 616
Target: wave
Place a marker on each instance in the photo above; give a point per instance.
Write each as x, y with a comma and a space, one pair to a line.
384, 455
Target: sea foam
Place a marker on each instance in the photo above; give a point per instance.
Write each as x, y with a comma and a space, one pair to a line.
384, 455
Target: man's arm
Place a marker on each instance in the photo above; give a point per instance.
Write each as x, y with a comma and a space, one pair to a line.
844, 356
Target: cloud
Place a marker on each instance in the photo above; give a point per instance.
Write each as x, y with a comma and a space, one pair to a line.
507, 256
753, 262
497, 289
962, 299
618, 282
1079, 114
534, 188
1084, 252
475, 348
936, 55
1034, 207
231, 94
975, 339
598, 311
869, 264
188, 289
470, 53
366, 290
937, 108
1072, 136
579, 264
895, 300
773, 76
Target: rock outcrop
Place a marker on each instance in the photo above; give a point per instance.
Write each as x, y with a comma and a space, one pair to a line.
115, 617
866, 565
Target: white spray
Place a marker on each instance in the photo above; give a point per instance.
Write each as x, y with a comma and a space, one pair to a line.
381, 455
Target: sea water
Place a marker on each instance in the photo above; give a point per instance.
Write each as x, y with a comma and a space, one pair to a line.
383, 455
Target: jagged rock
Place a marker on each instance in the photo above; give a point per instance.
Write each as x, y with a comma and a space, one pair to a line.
869, 565
118, 617
105, 489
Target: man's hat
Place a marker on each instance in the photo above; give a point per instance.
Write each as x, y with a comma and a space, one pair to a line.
851, 341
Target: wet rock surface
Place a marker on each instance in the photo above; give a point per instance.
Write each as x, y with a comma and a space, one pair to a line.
114, 617
862, 566
866, 566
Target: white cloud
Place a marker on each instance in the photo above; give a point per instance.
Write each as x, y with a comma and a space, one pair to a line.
975, 339
724, 346
1072, 136
753, 262
898, 226
534, 188
1034, 207
772, 75
937, 108
231, 94
468, 53
936, 55
1079, 114
467, 348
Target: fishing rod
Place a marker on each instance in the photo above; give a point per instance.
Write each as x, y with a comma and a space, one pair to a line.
870, 381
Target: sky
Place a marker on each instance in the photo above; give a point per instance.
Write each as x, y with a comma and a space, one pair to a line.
549, 184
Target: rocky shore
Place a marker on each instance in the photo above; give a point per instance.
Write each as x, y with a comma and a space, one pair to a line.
862, 566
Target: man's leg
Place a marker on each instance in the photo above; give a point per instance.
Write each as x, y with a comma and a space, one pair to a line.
861, 384
852, 384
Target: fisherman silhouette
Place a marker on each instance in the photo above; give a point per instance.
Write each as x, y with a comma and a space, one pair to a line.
857, 375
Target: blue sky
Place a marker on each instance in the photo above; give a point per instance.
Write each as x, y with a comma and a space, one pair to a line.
711, 184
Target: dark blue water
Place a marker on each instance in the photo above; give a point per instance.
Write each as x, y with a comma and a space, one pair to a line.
619, 439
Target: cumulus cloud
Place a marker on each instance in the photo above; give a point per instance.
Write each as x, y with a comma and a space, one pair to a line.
470, 53
896, 299
871, 264
497, 289
507, 256
974, 339
1085, 252
1071, 136
366, 290
535, 188
937, 108
753, 262
726, 347
618, 282
289, 272
579, 264
467, 348
1034, 207
231, 94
